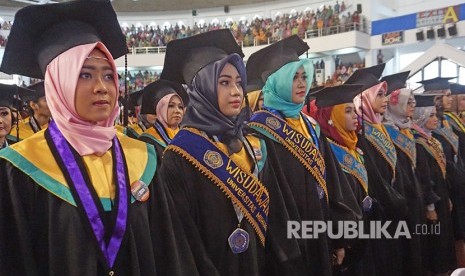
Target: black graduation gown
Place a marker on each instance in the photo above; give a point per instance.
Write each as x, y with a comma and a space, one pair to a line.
42, 234
389, 205
208, 218
159, 148
411, 248
458, 131
298, 188
437, 250
358, 259
456, 184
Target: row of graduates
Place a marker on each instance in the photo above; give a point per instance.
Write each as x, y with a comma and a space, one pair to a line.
215, 197
29, 112
399, 193
65, 202
389, 140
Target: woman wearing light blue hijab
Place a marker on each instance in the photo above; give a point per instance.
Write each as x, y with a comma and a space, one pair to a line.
300, 156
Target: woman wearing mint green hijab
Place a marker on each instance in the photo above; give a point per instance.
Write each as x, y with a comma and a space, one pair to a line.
310, 179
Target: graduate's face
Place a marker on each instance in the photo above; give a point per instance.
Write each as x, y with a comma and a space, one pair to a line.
40, 107
151, 118
381, 101
299, 86
96, 92
350, 117
175, 112
230, 94
461, 102
410, 106
447, 100
5, 121
432, 122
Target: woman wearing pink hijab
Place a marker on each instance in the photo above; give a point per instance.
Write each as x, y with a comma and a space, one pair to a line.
167, 101
380, 158
76, 199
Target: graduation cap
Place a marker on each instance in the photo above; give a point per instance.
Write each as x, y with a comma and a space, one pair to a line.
155, 91
185, 57
266, 61
457, 89
42, 32
311, 93
7, 93
362, 78
375, 70
438, 83
395, 81
368, 77
423, 100
135, 99
33, 92
335, 95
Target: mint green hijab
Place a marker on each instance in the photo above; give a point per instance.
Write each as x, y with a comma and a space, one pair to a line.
277, 92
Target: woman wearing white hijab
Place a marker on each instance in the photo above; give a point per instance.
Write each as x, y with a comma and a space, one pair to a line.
437, 249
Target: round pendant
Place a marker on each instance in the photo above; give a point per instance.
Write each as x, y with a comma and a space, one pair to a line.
140, 190
239, 241
367, 203
321, 192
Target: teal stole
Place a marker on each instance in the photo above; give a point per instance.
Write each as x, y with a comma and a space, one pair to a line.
243, 188
382, 144
403, 143
295, 142
350, 164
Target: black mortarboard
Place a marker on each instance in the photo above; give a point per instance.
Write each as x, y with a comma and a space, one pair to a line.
8, 92
266, 61
395, 81
185, 57
155, 91
457, 89
425, 100
311, 93
438, 83
334, 95
42, 32
368, 77
375, 70
254, 85
33, 93
362, 78
135, 99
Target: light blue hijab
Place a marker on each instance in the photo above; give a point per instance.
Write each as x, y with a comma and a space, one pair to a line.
277, 92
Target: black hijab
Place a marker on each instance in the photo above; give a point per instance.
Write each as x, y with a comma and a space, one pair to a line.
203, 112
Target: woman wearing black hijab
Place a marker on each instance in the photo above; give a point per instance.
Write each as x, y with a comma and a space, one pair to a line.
220, 195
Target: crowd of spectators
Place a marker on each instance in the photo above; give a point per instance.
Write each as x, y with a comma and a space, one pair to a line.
342, 73
136, 79
329, 20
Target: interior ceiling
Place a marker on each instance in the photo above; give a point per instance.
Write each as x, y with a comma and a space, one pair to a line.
147, 5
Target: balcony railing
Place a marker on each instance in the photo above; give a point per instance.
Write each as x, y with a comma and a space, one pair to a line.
362, 27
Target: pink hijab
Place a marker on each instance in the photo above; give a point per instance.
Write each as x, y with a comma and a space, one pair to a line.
61, 79
162, 109
366, 100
